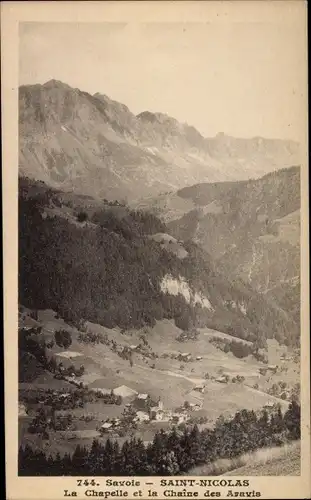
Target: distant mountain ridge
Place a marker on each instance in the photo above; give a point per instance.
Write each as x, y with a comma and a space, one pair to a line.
93, 145
251, 228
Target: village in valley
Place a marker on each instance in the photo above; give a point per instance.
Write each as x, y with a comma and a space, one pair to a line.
114, 384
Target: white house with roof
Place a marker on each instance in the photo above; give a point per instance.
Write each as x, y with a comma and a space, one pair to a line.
22, 411
116, 422
156, 411
26, 328
179, 418
273, 368
285, 357
142, 396
133, 347
106, 427
199, 388
185, 356
102, 390
64, 395
198, 406
142, 416
269, 405
166, 415
159, 414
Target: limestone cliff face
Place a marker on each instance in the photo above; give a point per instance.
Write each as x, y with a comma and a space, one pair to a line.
175, 286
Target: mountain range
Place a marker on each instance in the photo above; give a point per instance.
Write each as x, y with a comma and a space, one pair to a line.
93, 145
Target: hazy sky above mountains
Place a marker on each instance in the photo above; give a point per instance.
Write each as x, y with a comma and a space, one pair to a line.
241, 79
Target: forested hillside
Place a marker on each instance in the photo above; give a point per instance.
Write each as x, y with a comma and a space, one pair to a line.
100, 264
252, 230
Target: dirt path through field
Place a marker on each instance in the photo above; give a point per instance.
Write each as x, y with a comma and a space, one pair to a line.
193, 380
273, 398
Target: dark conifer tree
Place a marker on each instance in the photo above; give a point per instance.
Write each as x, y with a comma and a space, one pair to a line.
80, 461
96, 458
292, 420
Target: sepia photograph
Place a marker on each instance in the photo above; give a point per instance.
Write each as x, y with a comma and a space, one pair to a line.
161, 166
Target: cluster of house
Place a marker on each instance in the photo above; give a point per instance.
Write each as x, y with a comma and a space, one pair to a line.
285, 357
145, 411
133, 347
270, 405
222, 379
186, 357
45, 399
63, 396
110, 425
72, 379
269, 368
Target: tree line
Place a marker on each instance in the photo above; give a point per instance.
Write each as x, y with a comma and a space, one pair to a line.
171, 452
34, 355
240, 349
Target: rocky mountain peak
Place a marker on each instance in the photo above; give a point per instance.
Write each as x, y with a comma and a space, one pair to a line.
99, 147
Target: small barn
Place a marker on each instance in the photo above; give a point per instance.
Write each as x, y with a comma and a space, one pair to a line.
133, 347
179, 418
116, 422
272, 368
199, 388
106, 427
198, 406
269, 405
142, 416
101, 390
156, 413
185, 356
22, 412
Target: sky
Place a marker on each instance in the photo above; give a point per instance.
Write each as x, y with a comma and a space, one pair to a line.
242, 79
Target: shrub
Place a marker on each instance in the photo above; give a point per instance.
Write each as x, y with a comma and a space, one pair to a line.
63, 338
34, 314
82, 217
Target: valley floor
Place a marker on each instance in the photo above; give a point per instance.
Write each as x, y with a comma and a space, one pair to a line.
188, 378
